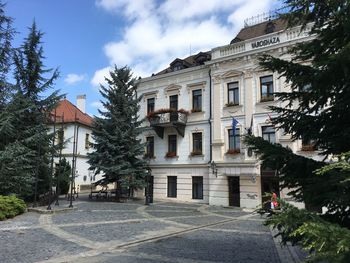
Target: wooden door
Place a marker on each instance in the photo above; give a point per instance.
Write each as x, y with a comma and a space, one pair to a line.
234, 191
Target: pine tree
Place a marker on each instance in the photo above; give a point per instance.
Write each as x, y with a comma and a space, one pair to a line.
319, 76
117, 150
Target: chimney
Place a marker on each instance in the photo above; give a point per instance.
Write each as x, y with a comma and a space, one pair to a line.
81, 101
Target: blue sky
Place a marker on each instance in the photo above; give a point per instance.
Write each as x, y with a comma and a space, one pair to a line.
85, 38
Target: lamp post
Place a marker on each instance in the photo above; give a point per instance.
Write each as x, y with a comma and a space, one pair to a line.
214, 168
52, 159
148, 180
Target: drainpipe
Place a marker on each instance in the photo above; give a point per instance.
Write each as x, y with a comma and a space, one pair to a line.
209, 120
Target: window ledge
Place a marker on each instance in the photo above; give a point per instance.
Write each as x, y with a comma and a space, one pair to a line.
150, 158
196, 156
171, 157
234, 153
233, 106
266, 102
197, 112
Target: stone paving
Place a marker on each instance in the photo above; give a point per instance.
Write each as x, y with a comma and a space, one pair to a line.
132, 232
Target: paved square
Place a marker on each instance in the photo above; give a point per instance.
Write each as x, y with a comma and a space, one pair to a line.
132, 232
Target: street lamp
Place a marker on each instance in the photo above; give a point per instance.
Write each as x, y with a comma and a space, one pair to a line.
214, 168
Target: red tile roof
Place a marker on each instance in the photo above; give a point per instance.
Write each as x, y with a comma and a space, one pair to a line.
69, 111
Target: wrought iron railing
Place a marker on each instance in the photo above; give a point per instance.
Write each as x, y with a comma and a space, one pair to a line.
168, 118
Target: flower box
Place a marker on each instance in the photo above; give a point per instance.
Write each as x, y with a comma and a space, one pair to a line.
196, 110
170, 155
233, 151
196, 153
308, 147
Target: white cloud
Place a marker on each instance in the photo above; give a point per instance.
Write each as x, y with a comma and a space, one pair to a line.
99, 76
72, 79
157, 33
96, 104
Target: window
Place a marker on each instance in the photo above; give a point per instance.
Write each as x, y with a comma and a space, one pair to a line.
173, 105
172, 186
172, 141
266, 88
173, 102
197, 143
234, 141
308, 145
60, 138
270, 27
150, 105
87, 142
150, 147
197, 100
305, 88
233, 94
178, 66
197, 187
268, 134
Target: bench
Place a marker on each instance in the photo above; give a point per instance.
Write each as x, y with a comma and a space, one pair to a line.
98, 194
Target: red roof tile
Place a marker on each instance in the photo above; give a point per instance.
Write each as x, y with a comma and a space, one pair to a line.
69, 111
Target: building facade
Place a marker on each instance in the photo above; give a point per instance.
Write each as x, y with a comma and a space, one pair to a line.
233, 88
77, 129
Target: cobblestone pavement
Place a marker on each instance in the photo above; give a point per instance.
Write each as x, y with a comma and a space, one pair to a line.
133, 232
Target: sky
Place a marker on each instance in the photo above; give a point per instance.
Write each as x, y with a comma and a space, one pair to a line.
86, 38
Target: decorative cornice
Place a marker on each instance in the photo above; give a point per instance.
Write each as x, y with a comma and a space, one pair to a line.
149, 94
172, 87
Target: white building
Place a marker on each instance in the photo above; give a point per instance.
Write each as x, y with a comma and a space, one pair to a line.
230, 84
76, 121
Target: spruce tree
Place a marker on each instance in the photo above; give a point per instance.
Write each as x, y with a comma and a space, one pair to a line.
24, 121
117, 149
62, 176
318, 110
6, 36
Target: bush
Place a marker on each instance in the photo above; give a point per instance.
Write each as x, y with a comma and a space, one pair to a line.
10, 206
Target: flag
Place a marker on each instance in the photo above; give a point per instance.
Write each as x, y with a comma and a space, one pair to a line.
270, 118
234, 125
250, 129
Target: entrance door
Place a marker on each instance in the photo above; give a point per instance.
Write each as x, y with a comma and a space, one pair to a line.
234, 191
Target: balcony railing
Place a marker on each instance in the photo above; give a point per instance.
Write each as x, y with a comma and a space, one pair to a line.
163, 118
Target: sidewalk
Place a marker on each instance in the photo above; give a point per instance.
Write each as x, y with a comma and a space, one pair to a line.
288, 253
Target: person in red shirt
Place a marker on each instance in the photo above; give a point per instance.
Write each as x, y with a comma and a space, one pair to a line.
274, 202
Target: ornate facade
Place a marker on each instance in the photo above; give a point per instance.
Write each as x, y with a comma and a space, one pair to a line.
197, 156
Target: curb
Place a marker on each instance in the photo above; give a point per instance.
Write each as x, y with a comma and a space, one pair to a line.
287, 253
43, 210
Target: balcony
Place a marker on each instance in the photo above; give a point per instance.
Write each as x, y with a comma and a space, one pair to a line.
163, 118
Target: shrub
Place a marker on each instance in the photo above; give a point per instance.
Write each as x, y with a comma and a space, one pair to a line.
10, 206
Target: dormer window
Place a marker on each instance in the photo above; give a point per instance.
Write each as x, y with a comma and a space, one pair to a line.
270, 27
178, 66
201, 57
